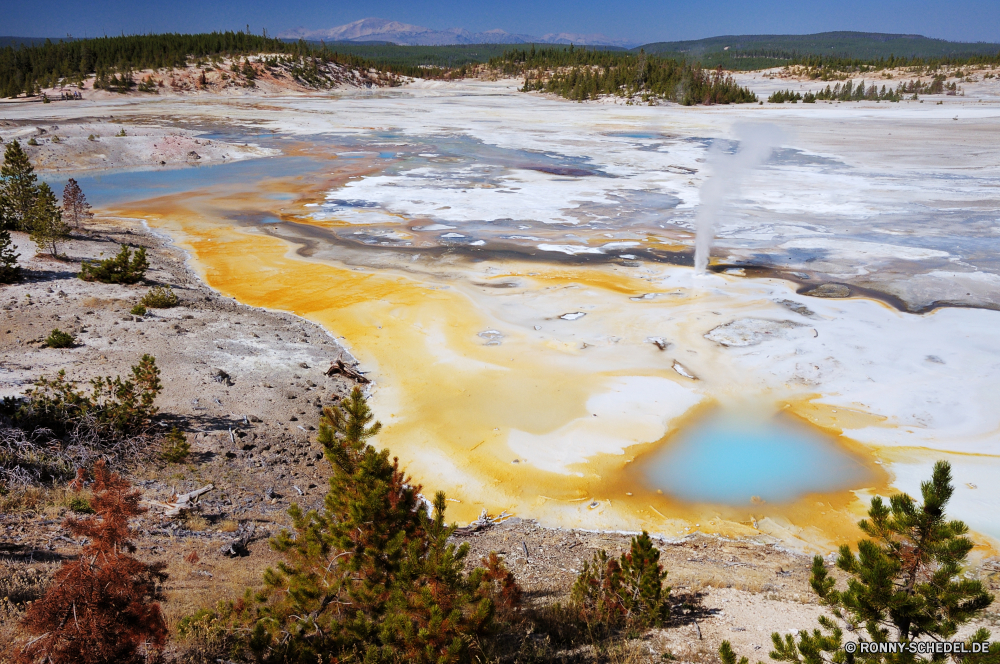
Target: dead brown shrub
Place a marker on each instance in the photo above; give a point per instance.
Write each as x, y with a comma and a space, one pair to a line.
100, 607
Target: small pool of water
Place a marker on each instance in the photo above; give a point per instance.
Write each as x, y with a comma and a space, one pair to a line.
116, 187
732, 458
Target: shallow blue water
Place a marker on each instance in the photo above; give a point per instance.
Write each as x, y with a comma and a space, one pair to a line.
729, 458
116, 187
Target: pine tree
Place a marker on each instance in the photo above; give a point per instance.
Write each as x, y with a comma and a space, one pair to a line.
47, 226
645, 595
372, 577
100, 607
124, 268
626, 592
75, 205
18, 190
10, 271
905, 583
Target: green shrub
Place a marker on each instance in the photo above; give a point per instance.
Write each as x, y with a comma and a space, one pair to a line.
124, 268
138, 310
59, 339
175, 447
220, 633
80, 505
91, 138
116, 406
627, 592
32, 141
159, 297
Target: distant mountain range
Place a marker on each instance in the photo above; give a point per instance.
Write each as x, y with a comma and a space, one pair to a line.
381, 30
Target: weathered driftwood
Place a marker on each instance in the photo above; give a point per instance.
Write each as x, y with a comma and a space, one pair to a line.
482, 523
338, 367
238, 547
184, 502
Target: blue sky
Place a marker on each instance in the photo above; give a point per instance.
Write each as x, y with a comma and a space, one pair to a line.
638, 20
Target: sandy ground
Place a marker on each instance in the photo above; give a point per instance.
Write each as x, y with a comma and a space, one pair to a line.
252, 433
97, 144
275, 362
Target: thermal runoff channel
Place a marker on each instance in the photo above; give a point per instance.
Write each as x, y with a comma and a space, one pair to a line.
516, 275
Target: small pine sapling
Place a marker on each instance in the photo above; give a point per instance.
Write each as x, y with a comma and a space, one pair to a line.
160, 297
100, 607
627, 592
124, 268
176, 448
59, 339
138, 310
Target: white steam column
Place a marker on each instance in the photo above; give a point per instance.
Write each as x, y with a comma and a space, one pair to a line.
756, 142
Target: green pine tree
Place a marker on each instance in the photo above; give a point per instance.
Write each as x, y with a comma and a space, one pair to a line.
18, 190
372, 577
627, 592
905, 584
47, 226
10, 271
644, 576
124, 268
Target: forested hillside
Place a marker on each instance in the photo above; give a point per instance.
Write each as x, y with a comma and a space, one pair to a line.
846, 51
24, 70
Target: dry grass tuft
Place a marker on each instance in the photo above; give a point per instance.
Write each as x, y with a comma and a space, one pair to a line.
228, 526
31, 498
196, 522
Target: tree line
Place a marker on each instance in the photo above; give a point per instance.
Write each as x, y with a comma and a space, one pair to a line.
848, 91
765, 58
581, 74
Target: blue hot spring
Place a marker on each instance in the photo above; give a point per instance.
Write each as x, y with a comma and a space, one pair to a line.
730, 458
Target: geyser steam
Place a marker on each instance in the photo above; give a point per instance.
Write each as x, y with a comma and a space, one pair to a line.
756, 142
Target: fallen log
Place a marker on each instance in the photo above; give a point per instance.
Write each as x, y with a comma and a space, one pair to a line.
338, 367
484, 521
185, 502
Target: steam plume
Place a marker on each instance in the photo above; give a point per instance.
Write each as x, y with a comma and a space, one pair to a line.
757, 141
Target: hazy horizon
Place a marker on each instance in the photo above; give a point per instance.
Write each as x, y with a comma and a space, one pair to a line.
638, 21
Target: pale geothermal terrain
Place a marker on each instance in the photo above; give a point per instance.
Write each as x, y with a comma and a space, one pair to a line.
514, 272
